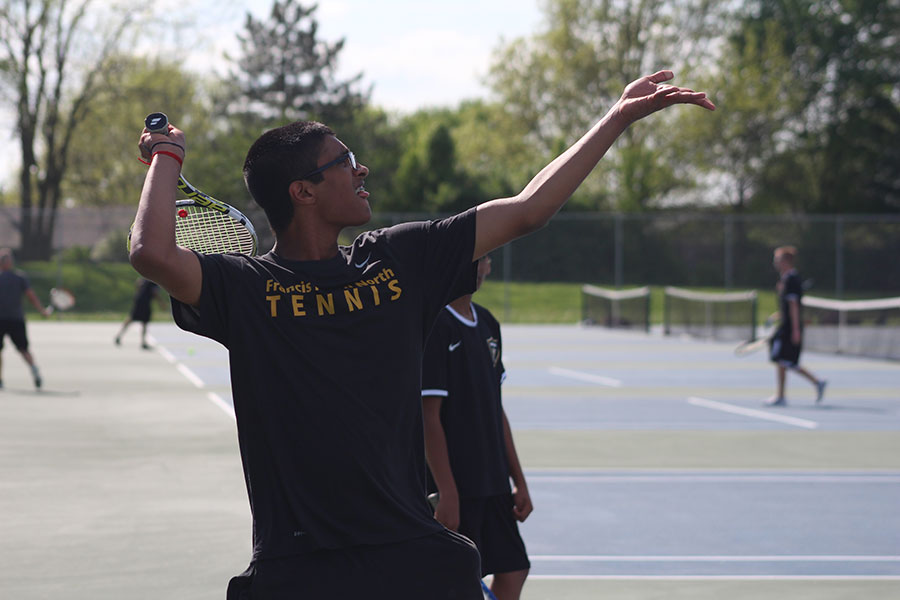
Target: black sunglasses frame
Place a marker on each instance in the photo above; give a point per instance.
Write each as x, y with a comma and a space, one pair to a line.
348, 155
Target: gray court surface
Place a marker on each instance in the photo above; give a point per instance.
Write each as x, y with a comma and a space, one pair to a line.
655, 469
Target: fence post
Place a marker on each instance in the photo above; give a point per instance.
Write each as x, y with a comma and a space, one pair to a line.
619, 252
839, 256
729, 251
507, 275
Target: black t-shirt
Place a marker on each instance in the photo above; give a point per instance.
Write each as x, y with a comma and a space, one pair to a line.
790, 288
325, 361
463, 365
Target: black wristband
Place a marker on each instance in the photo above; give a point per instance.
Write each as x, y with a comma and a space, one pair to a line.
179, 146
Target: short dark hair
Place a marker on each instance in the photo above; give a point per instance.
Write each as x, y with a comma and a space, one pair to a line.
277, 158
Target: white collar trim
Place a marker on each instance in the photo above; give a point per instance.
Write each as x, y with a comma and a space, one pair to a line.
464, 320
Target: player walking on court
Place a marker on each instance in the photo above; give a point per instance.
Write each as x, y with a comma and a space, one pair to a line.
141, 310
788, 340
468, 441
325, 345
13, 285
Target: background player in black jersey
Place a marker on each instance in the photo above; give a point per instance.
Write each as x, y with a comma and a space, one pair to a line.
468, 440
141, 310
325, 346
788, 340
13, 285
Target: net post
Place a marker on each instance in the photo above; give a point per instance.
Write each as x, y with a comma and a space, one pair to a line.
647, 312
619, 252
754, 316
839, 257
584, 310
667, 313
729, 251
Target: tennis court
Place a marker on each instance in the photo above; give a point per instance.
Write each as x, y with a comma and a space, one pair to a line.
654, 468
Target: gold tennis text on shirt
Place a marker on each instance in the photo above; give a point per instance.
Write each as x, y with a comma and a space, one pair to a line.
304, 298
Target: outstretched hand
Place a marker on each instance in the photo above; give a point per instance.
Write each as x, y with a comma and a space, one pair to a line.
645, 96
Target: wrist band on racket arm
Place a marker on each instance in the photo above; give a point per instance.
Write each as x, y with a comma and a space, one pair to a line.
179, 146
167, 153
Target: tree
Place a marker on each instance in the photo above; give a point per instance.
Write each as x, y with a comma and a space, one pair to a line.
137, 86
53, 59
286, 73
843, 56
562, 80
758, 100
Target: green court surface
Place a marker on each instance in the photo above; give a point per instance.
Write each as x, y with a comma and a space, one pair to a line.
122, 478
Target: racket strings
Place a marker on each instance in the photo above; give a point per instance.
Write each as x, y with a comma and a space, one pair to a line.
61, 299
209, 231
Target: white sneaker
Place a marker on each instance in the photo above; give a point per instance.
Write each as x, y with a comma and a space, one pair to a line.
820, 390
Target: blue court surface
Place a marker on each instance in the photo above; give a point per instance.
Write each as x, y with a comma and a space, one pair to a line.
651, 457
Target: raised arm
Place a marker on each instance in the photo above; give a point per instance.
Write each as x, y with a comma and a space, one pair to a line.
153, 251
505, 219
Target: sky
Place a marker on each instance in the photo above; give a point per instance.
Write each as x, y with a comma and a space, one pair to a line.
414, 54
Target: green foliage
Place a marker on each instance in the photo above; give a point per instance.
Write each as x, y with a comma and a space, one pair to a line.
756, 99
562, 80
840, 60
112, 248
100, 288
112, 173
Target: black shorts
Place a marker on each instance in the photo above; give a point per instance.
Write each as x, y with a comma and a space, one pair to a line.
441, 565
783, 351
490, 523
141, 312
15, 329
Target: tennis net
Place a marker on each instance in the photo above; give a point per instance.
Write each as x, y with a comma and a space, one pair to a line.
728, 316
858, 327
621, 309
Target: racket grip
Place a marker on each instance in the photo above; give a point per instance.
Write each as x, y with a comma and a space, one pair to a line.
157, 123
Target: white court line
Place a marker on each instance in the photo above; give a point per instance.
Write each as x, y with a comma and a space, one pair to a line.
749, 412
717, 558
716, 577
192, 377
220, 402
607, 381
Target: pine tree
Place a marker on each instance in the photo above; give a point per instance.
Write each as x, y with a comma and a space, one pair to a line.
287, 73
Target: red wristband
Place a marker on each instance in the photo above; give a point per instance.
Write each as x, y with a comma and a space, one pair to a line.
167, 153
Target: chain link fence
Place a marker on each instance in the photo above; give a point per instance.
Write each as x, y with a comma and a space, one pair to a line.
844, 255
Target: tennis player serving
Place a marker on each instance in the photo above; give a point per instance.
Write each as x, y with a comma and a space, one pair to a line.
325, 344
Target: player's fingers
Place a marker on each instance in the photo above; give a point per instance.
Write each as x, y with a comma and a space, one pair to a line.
676, 95
661, 76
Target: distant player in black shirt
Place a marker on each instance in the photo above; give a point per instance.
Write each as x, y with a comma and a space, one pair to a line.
468, 440
325, 346
141, 310
788, 340
13, 285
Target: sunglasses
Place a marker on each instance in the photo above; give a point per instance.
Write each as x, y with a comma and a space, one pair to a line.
346, 156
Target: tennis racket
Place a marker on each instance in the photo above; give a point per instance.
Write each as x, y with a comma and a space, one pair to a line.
60, 299
770, 328
203, 223
485, 590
